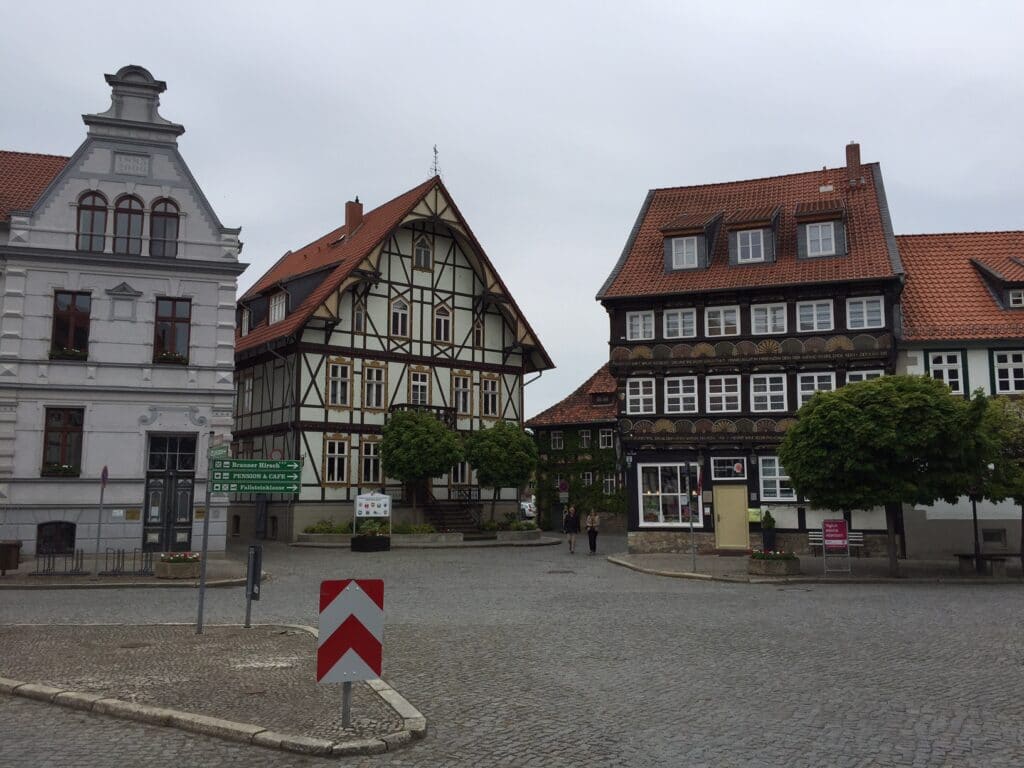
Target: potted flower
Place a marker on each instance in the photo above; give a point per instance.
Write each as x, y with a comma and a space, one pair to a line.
68, 353
773, 563
178, 565
173, 358
371, 536
767, 531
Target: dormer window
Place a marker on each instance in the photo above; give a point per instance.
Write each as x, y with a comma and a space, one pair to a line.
750, 243
422, 256
820, 228
277, 308
684, 253
1016, 298
821, 239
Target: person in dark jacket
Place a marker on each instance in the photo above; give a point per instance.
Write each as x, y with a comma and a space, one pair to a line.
571, 526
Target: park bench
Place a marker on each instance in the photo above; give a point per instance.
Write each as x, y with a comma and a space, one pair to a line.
856, 539
995, 563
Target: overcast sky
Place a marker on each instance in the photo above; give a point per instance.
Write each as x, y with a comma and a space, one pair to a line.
552, 119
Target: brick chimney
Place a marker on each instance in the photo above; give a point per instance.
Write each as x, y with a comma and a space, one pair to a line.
853, 171
353, 215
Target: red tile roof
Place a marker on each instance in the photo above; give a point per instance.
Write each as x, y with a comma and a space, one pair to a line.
871, 249
947, 298
23, 177
579, 407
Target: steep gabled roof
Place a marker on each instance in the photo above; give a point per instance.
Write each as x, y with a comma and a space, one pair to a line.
24, 177
579, 408
871, 250
946, 295
342, 252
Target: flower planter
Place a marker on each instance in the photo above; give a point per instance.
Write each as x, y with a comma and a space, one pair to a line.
371, 543
773, 567
176, 570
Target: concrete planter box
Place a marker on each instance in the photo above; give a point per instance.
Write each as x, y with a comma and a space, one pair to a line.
426, 539
176, 570
773, 567
325, 538
511, 537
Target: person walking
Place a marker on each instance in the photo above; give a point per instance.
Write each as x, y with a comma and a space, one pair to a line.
592, 522
571, 527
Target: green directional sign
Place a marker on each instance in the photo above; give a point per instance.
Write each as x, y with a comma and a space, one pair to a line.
259, 465
241, 476
256, 476
253, 487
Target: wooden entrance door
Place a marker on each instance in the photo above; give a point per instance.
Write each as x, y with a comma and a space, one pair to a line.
731, 527
170, 479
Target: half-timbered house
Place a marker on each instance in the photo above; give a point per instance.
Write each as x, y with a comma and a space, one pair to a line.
398, 308
731, 305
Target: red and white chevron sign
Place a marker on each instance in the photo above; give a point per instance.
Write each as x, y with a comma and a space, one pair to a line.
350, 645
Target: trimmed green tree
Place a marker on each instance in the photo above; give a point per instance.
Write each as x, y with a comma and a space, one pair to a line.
416, 447
1002, 468
503, 456
893, 440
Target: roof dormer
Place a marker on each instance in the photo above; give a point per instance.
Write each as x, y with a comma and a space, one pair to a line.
1004, 277
689, 239
753, 234
820, 229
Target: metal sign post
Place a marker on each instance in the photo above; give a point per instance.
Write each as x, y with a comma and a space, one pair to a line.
104, 475
212, 451
253, 576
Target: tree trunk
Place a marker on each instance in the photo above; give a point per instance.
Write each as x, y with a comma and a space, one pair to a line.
494, 500
890, 529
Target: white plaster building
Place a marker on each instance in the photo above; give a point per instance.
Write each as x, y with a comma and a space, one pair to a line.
117, 289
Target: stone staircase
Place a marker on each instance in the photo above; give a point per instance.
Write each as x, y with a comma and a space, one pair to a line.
456, 516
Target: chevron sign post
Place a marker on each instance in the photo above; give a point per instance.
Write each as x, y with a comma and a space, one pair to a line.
350, 643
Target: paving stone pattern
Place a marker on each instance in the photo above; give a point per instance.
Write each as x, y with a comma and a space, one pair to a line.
534, 657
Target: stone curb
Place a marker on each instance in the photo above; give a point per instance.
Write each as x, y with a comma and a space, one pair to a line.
809, 579
162, 584
246, 733
542, 542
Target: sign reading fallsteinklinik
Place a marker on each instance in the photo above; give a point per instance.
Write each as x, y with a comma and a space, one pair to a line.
256, 476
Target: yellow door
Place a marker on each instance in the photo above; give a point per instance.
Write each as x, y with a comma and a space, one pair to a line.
731, 527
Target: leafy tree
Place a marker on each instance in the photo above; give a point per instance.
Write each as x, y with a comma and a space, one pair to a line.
1001, 470
893, 440
416, 447
503, 457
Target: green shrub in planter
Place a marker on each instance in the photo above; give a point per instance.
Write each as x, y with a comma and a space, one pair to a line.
327, 526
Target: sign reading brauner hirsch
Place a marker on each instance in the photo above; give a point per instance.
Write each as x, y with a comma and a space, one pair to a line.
834, 534
350, 646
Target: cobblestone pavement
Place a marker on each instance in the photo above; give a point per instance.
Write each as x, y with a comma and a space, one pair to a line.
533, 657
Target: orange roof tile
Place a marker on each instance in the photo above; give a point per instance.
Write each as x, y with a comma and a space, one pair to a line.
946, 297
579, 407
871, 249
23, 177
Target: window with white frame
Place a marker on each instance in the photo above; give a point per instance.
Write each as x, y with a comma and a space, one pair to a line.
371, 462
463, 395
1009, 371
750, 246
639, 326
809, 383
422, 256
1016, 298
338, 383
775, 484
866, 312
728, 468
679, 323
335, 461
852, 377
399, 317
587, 478
723, 393
277, 308
768, 392
821, 239
244, 393
373, 387
419, 388
606, 439
609, 485
684, 252
767, 318
460, 473
681, 394
244, 322
945, 366
584, 438
489, 397
722, 321
557, 443
442, 325
668, 495
814, 316
478, 334
639, 396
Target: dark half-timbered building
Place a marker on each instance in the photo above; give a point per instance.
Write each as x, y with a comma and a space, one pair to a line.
398, 308
731, 305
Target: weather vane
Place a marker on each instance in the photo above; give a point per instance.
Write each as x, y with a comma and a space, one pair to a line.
435, 169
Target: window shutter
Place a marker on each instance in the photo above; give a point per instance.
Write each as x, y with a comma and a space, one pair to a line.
702, 251
801, 241
733, 248
768, 238
840, 234
668, 254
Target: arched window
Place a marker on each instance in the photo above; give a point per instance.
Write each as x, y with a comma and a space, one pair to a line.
163, 229
478, 334
92, 222
421, 255
442, 325
128, 226
399, 318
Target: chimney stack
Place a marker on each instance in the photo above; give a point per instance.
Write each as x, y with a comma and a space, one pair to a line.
353, 215
853, 172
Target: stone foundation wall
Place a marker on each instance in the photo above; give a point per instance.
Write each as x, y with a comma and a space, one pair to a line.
669, 542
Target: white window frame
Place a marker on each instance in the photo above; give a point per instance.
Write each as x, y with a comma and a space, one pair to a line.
818, 324
1013, 361
587, 478
729, 382
716, 462
584, 438
359, 317
245, 382
399, 325
489, 405
692, 498
775, 388
244, 323
478, 334
1015, 298
609, 485
339, 384
853, 377
772, 477
640, 397
373, 387
681, 394
463, 395
461, 474
938, 363
749, 236
717, 327
557, 440
771, 314
421, 247
680, 316
684, 252
606, 439
816, 377
862, 302
442, 325
278, 307
820, 228
644, 330
336, 471
369, 455
419, 387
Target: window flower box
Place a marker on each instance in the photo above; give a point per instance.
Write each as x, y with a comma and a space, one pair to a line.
773, 563
170, 358
68, 353
60, 470
177, 565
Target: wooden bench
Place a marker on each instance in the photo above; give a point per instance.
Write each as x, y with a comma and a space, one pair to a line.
856, 540
995, 563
